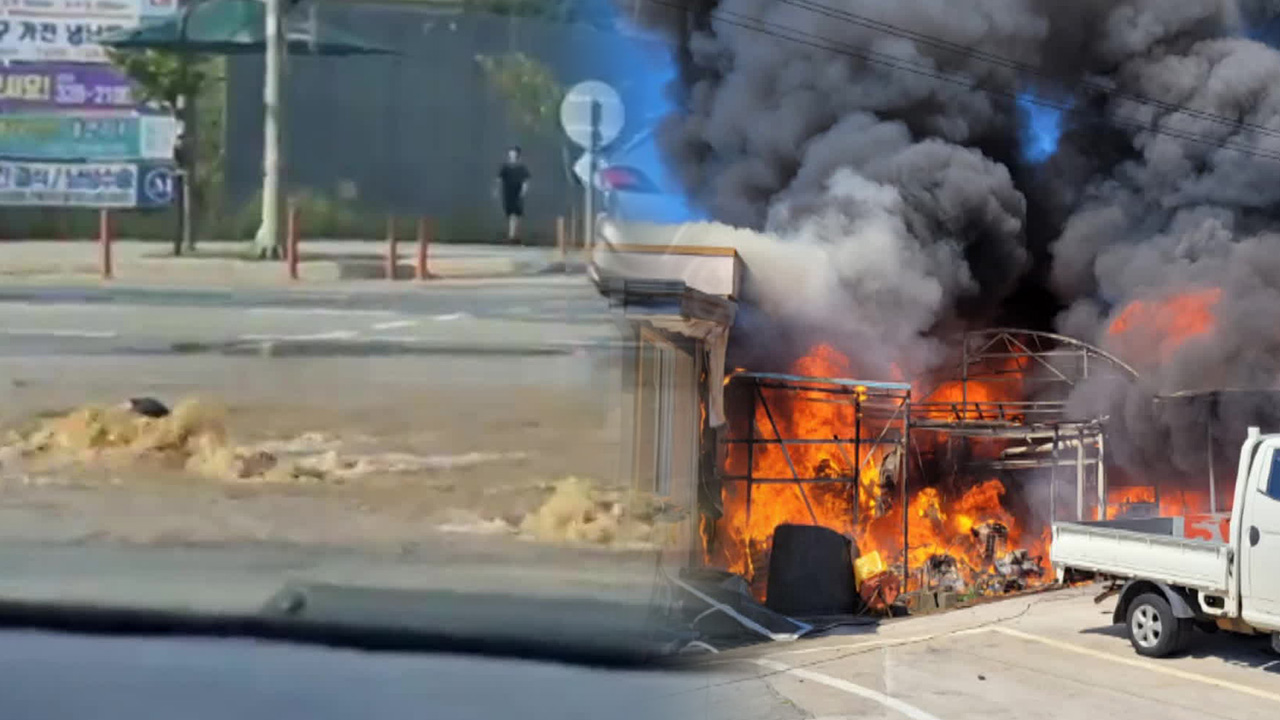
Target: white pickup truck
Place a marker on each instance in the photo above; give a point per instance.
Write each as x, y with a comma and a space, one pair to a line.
1175, 584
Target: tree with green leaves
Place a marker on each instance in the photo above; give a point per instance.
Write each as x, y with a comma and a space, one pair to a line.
530, 90
175, 81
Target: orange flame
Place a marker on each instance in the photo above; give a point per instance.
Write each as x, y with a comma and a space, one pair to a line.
1163, 326
1172, 503
976, 398
870, 513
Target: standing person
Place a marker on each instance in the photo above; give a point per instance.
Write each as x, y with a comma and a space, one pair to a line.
513, 183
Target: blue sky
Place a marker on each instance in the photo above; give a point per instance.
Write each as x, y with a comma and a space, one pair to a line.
643, 69
1041, 129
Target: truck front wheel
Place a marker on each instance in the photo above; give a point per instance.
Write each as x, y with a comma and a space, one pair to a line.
1153, 629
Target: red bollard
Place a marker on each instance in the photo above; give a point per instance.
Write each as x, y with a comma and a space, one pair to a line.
562, 242
291, 241
421, 271
104, 241
393, 257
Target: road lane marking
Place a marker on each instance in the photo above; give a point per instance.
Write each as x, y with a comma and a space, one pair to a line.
393, 324
892, 703
319, 311
884, 642
96, 334
335, 335
1138, 663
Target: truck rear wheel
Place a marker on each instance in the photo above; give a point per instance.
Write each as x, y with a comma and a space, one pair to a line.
1153, 629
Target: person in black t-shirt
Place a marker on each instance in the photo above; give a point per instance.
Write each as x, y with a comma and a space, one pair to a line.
513, 183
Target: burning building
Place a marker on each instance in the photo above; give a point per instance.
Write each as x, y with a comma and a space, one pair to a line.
946, 483
867, 163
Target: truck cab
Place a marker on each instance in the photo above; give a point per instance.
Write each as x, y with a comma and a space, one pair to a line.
1256, 531
1175, 582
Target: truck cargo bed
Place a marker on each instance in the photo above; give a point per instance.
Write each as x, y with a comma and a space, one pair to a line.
1142, 548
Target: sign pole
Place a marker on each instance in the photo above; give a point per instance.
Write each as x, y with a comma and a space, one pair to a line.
188, 234
593, 151
591, 115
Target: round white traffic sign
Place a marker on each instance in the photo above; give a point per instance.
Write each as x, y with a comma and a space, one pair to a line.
576, 112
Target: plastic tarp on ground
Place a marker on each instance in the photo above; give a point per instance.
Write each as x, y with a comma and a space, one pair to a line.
720, 610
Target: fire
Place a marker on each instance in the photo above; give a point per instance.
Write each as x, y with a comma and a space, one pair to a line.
1130, 501
1165, 325
964, 534
976, 398
777, 503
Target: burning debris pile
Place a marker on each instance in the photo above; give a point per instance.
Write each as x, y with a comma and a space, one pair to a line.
836, 456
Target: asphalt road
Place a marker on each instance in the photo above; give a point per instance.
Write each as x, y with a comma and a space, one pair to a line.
1054, 655
532, 314
358, 344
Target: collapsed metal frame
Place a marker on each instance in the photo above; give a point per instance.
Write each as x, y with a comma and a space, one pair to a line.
1043, 366
1046, 446
883, 402
1041, 428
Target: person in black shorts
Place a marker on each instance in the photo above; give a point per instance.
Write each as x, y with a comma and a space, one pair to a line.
513, 183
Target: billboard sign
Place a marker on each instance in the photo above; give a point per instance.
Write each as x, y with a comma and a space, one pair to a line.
64, 86
68, 30
96, 185
71, 137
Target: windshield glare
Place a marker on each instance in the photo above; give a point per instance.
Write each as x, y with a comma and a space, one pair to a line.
874, 358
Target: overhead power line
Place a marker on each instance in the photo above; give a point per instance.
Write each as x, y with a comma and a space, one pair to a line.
827, 44
1009, 63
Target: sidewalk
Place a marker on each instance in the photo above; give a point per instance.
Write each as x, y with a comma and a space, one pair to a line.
229, 262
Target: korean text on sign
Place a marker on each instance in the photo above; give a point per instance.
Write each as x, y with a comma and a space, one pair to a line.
68, 30
69, 185
54, 39
58, 86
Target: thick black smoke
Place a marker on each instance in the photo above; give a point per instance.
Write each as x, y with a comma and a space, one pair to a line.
1188, 227
882, 176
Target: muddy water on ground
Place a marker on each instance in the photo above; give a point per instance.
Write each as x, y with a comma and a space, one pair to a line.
345, 452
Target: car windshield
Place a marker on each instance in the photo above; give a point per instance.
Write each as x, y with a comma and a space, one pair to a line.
871, 346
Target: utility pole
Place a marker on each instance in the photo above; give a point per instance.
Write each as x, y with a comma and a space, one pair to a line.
267, 243
185, 148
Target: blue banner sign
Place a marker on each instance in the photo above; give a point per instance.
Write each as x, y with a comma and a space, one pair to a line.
64, 86
96, 185
71, 137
